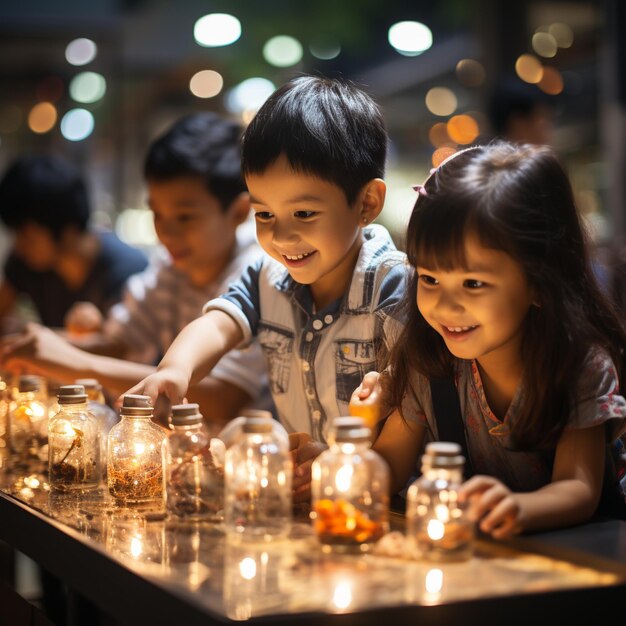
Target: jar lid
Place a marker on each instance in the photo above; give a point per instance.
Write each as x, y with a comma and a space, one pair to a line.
134, 405
186, 414
258, 424
350, 428
257, 413
29, 382
71, 394
443, 454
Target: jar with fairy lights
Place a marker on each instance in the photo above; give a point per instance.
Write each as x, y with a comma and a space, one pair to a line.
73, 442
436, 522
258, 477
28, 419
350, 489
194, 479
134, 456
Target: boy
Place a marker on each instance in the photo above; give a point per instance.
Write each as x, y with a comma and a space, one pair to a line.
199, 201
56, 260
313, 159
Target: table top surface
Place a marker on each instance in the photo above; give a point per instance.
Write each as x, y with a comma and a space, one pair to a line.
239, 581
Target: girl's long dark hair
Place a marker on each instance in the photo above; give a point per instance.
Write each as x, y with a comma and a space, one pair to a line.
516, 199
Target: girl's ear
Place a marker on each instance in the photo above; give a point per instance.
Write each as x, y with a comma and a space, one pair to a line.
372, 199
239, 208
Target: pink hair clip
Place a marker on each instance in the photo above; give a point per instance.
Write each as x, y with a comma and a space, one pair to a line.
421, 190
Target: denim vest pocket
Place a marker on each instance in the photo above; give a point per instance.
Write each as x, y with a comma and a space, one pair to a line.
353, 359
277, 344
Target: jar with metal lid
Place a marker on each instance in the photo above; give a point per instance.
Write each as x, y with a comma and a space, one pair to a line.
28, 420
258, 477
194, 480
73, 442
350, 489
135, 456
436, 522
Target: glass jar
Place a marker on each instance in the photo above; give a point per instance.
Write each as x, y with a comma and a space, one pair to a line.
28, 420
194, 482
73, 442
349, 489
258, 476
134, 459
437, 523
106, 416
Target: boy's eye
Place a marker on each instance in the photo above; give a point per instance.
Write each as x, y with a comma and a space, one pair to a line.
428, 280
471, 283
263, 215
304, 214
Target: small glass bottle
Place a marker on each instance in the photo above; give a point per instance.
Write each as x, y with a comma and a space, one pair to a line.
73, 442
437, 522
258, 476
28, 419
349, 489
194, 483
106, 416
134, 459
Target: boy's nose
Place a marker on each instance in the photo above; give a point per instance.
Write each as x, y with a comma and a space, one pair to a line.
284, 234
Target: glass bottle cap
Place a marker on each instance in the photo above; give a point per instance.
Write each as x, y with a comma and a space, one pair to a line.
257, 413
443, 454
134, 405
186, 414
257, 424
28, 382
71, 394
350, 428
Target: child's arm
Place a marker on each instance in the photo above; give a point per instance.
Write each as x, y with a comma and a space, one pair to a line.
399, 443
570, 498
192, 355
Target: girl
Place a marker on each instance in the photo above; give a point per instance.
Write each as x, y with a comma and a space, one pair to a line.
504, 301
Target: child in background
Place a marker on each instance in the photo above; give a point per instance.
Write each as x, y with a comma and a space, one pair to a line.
199, 201
503, 300
313, 160
57, 260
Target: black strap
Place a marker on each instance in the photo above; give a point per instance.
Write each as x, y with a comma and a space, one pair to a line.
447, 410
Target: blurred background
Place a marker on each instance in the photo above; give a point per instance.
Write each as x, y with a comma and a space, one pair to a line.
98, 80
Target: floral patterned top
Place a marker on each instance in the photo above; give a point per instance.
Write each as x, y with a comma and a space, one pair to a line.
488, 438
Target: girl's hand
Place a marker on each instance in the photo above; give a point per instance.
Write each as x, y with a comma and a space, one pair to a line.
493, 505
304, 450
365, 400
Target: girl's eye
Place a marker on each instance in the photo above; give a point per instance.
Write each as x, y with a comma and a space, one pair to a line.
263, 216
304, 214
428, 280
473, 284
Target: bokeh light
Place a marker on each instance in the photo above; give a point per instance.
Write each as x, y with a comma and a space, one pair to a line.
441, 154
529, 68
249, 95
462, 129
88, 87
282, 51
325, 49
551, 82
441, 101
410, 38
470, 73
42, 118
438, 135
217, 29
206, 84
81, 51
77, 124
562, 33
544, 44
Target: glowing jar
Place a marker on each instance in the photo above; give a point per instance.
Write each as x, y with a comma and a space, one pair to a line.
73, 442
258, 476
28, 419
437, 522
350, 489
194, 482
134, 458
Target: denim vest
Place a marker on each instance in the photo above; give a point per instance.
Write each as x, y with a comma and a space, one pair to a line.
316, 360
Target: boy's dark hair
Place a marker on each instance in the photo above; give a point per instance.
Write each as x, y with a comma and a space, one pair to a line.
325, 127
516, 199
45, 189
205, 145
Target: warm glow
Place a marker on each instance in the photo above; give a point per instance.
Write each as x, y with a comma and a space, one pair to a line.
562, 33
551, 82
247, 568
136, 546
470, 73
441, 154
438, 135
462, 128
343, 478
140, 448
206, 84
434, 581
42, 117
529, 68
342, 596
544, 44
441, 101
435, 529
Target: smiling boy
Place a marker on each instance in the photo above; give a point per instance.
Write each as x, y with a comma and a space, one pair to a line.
313, 159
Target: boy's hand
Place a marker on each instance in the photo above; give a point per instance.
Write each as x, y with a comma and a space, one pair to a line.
170, 382
304, 449
493, 505
365, 400
83, 318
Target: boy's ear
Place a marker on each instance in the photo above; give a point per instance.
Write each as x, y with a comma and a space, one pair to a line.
239, 208
372, 199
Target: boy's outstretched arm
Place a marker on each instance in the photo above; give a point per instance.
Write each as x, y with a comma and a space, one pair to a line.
192, 355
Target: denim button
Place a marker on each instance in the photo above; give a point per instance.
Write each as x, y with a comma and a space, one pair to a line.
316, 415
318, 324
309, 336
328, 319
